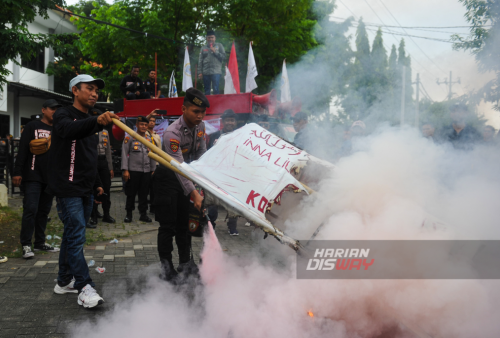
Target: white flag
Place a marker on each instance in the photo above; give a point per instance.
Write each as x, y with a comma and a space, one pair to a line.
187, 80
172, 87
285, 85
251, 72
229, 85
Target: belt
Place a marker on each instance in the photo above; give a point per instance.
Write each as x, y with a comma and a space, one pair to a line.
101, 157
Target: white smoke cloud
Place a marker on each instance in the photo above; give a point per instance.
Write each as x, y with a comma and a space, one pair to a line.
383, 191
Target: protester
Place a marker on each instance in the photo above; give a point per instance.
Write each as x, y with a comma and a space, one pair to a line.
32, 168
212, 55
133, 87
156, 139
357, 130
150, 86
73, 179
229, 124
459, 133
137, 169
106, 174
303, 137
428, 130
489, 135
184, 140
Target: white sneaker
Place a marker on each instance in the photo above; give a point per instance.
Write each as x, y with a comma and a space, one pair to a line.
27, 253
247, 224
89, 297
61, 290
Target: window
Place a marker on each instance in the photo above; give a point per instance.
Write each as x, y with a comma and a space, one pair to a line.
36, 63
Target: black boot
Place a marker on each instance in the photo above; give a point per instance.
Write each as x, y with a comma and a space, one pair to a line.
93, 218
144, 218
98, 214
188, 268
128, 218
108, 219
168, 272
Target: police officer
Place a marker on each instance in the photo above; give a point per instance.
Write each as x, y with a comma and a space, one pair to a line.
185, 141
137, 169
105, 170
155, 138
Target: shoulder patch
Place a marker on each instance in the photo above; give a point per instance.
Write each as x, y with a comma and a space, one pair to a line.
201, 133
174, 145
126, 139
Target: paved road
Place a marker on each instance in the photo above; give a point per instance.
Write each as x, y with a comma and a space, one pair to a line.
29, 308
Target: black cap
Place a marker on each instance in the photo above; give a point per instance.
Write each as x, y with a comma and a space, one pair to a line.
227, 114
210, 32
300, 116
197, 98
142, 119
51, 104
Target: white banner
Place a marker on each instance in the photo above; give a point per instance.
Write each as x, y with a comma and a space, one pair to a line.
187, 79
253, 166
251, 72
160, 128
286, 96
172, 87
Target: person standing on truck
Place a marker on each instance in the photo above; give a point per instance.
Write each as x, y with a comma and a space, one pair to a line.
132, 86
212, 55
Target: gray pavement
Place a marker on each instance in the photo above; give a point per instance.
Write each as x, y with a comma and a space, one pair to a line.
29, 308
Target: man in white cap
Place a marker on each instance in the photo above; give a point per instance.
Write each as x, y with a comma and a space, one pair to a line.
73, 180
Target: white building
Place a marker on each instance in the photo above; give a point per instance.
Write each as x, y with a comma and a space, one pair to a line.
28, 85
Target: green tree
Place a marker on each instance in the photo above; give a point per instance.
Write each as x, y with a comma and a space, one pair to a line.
14, 34
483, 42
86, 6
279, 29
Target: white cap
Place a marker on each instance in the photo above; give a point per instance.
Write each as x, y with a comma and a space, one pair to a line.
86, 79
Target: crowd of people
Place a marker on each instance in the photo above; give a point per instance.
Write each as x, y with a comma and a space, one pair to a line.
66, 155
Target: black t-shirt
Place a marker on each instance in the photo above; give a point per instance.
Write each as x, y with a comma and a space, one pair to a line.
150, 86
32, 168
129, 80
73, 153
464, 140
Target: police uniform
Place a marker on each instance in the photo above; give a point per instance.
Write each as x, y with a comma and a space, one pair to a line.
135, 159
157, 142
104, 166
172, 191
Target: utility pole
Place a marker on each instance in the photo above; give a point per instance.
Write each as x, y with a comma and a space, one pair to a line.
417, 112
403, 97
448, 83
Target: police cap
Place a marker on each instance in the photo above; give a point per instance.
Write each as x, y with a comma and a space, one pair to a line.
142, 119
299, 116
51, 104
228, 113
197, 98
210, 32
459, 107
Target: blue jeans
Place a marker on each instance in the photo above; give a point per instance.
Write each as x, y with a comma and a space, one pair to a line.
74, 213
36, 208
213, 80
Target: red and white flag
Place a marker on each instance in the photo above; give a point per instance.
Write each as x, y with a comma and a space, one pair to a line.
232, 80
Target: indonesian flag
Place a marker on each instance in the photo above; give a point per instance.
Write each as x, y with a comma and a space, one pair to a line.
228, 83
285, 85
187, 80
251, 72
233, 69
